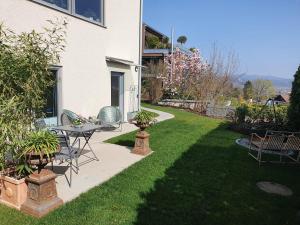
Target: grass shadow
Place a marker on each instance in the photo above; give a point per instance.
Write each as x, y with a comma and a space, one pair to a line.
127, 143
214, 182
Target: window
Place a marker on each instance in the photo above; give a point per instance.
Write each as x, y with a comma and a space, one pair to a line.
91, 10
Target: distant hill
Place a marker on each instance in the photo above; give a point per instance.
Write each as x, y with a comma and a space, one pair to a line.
281, 84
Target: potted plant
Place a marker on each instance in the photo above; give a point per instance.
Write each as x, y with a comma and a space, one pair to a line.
143, 119
22, 100
39, 148
77, 123
13, 170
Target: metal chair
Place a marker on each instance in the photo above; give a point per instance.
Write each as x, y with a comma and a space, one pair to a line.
67, 154
274, 142
40, 124
110, 117
293, 144
68, 117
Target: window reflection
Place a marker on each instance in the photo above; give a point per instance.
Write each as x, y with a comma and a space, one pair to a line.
59, 3
90, 9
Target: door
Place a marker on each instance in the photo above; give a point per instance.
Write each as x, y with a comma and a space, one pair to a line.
117, 91
51, 108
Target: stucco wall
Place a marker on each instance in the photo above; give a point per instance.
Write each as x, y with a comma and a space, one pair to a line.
85, 75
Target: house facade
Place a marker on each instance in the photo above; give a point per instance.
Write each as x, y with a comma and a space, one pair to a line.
101, 63
154, 54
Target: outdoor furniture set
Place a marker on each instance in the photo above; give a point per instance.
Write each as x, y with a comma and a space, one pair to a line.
74, 129
280, 143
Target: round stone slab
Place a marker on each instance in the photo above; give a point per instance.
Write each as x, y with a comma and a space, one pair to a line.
274, 188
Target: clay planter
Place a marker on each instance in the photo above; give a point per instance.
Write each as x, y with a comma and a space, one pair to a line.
42, 194
142, 126
13, 192
141, 146
39, 159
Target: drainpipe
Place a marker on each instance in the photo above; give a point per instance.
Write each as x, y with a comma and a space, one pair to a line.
140, 56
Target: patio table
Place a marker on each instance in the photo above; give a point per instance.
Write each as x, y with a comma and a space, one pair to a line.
86, 131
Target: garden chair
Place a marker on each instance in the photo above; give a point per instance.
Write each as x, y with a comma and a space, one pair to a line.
293, 144
272, 143
68, 117
67, 154
40, 124
110, 117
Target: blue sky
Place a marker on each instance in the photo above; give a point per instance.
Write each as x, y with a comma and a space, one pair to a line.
264, 33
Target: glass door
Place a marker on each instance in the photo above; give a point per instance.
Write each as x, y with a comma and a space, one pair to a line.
51, 110
117, 91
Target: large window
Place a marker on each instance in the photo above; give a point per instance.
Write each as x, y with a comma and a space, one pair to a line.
91, 10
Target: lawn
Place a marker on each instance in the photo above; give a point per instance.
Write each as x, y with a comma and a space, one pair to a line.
196, 175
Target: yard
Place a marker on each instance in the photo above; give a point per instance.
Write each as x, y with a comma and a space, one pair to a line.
196, 175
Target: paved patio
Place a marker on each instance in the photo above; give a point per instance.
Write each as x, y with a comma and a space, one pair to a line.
112, 160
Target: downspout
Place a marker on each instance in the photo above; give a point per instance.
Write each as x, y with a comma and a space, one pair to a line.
140, 56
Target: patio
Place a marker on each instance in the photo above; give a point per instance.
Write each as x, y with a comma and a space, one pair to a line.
112, 160
197, 175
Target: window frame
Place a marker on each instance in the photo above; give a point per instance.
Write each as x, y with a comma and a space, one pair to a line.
71, 11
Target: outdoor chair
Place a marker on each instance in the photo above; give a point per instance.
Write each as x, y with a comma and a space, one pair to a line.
110, 117
68, 117
67, 154
274, 143
40, 124
293, 144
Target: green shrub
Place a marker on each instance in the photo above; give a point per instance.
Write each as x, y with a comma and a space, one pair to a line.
25, 77
240, 113
260, 114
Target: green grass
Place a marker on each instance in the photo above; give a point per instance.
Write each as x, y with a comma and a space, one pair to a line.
196, 175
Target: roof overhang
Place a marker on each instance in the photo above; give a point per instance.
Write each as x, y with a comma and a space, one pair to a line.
123, 62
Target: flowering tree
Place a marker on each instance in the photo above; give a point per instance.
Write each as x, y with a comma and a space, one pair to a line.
189, 76
182, 70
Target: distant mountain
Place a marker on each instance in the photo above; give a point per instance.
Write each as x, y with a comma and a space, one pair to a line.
281, 84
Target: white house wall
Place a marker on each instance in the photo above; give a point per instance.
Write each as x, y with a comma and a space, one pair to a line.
85, 74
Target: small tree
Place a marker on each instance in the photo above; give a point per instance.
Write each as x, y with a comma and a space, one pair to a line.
294, 108
263, 89
153, 42
248, 90
182, 40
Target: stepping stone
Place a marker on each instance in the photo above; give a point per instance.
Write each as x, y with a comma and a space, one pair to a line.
274, 188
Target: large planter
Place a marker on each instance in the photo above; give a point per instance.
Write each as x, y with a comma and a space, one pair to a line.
13, 192
42, 194
141, 146
39, 159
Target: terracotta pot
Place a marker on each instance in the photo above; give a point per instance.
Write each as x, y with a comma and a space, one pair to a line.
39, 159
142, 126
13, 192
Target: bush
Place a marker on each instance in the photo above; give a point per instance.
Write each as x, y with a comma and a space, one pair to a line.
240, 114
262, 115
24, 79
